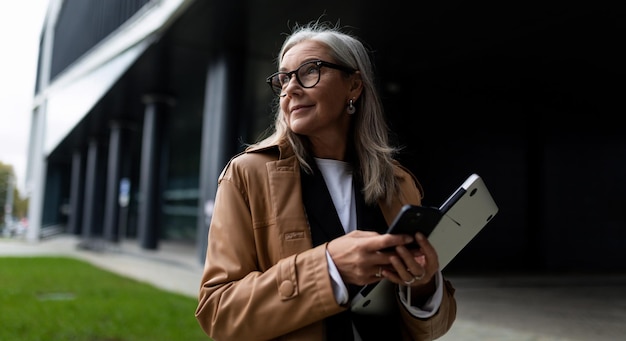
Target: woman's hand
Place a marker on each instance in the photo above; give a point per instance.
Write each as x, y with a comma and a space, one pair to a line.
415, 268
358, 258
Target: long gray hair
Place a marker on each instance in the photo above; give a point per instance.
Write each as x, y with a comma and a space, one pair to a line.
369, 129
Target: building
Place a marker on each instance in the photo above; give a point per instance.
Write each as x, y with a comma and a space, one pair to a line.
154, 96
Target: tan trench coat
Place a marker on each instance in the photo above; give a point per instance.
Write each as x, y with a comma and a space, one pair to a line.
262, 279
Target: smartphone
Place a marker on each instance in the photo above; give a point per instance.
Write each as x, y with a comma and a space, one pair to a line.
412, 219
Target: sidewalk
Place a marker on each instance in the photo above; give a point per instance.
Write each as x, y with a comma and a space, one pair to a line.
520, 308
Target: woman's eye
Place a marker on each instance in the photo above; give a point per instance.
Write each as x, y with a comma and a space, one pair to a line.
311, 69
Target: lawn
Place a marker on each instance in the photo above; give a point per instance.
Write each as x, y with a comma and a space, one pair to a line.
65, 299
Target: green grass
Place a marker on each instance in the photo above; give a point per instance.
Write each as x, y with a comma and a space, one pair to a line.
65, 299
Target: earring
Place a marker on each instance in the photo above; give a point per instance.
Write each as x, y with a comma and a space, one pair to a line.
351, 109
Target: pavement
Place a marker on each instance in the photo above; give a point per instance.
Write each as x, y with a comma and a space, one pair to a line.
490, 308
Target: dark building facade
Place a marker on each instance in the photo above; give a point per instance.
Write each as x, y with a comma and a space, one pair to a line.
526, 95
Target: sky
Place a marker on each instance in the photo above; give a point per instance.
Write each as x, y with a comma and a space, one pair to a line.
21, 23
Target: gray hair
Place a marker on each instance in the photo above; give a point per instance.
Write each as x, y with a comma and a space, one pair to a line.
370, 138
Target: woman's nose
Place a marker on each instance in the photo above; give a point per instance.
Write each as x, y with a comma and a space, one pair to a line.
290, 82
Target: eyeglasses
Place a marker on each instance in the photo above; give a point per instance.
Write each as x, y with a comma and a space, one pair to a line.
307, 75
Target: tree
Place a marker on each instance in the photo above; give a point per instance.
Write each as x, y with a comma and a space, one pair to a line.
19, 206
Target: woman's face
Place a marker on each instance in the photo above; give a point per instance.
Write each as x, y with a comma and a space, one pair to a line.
318, 112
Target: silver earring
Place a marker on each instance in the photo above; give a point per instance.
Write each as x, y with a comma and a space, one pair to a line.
351, 108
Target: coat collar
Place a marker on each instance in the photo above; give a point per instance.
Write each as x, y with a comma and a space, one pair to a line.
283, 148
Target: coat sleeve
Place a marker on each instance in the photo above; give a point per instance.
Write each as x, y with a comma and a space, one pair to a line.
240, 300
437, 325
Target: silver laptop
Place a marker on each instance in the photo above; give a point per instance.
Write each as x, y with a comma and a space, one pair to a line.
463, 215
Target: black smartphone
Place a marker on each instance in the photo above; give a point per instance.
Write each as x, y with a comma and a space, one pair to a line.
412, 219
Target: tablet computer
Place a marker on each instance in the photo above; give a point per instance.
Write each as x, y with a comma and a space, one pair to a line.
460, 218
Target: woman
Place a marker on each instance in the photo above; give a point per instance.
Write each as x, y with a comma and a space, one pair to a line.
299, 218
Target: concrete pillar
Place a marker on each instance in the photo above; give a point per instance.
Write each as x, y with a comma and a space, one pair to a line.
111, 202
76, 194
149, 210
218, 137
90, 223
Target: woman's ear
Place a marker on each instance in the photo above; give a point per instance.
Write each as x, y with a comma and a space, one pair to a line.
356, 85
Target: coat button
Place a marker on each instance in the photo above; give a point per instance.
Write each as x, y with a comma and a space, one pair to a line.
286, 288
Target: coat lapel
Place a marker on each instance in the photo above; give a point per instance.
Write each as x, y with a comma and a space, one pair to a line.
319, 207
369, 217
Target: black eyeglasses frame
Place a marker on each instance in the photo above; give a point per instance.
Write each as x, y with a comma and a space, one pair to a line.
319, 64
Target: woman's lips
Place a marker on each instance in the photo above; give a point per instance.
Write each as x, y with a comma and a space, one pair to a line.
297, 108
